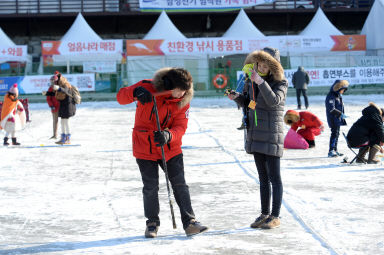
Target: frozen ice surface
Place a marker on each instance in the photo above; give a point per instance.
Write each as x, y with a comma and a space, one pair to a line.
87, 199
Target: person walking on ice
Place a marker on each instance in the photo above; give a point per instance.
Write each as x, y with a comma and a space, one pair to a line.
12, 115
173, 88
263, 98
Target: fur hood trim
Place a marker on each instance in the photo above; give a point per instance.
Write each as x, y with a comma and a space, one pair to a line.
159, 85
340, 84
377, 107
275, 67
292, 116
63, 82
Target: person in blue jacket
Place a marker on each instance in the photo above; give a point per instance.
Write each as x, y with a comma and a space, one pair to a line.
335, 114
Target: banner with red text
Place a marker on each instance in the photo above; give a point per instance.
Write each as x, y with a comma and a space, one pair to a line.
78, 47
13, 53
227, 46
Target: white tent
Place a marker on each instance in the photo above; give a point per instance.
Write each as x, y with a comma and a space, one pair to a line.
243, 27
81, 32
164, 28
373, 27
143, 67
5, 44
320, 26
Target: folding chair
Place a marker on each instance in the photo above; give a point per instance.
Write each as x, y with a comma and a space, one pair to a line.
357, 147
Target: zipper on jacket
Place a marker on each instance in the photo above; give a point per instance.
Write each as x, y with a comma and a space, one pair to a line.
150, 144
167, 117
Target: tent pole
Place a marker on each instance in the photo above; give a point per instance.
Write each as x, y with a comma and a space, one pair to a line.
67, 66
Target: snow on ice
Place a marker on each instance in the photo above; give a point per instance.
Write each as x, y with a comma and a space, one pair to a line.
87, 199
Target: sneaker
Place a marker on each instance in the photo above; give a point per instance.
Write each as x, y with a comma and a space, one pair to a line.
194, 228
151, 230
332, 154
259, 220
339, 154
271, 222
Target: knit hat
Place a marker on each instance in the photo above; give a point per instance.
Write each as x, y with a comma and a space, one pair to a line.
57, 75
291, 116
273, 52
14, 90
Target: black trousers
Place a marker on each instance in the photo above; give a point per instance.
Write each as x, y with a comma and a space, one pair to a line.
150, 176
268, 168
298, 93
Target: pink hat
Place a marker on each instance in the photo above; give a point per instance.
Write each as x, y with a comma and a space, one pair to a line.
14, 89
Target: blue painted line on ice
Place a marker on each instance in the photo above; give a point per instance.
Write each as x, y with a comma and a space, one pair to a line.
323, 242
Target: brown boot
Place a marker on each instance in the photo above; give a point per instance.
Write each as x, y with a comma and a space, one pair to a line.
372, 154
259, 221
151, 230
194, 228
271, 222
360, 156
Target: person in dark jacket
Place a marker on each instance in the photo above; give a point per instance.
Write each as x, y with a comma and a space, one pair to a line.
263, 100
54, 106
173, 88
335, 114
300, 82
67, 108
368, 133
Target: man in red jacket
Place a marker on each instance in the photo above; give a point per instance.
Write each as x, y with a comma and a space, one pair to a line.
309, 125
173, 88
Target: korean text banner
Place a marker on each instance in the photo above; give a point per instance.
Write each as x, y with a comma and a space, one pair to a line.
354, 75
78, 47
38, 83
227, 46
13, 53
185, 5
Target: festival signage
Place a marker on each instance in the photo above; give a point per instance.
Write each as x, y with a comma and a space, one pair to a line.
38, 83
228, 46
209, 5
81, 47
99, 67
13, 53
354, 75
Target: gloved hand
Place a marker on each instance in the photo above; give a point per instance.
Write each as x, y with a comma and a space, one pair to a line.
232, 94
322, 128
343, 116
142, 95
56, 87
256, 77
162, 137
52, 108
44, 93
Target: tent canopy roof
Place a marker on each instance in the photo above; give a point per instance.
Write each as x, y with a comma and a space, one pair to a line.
5, 41
320, 26
80, 31
243, 27
164, 29
373, 26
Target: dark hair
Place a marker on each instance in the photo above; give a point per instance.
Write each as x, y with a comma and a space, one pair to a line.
289, 121
178, 78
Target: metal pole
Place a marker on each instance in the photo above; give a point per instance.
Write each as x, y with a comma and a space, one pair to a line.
164, 164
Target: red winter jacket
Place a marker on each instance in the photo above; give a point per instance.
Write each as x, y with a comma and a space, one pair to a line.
52, 101
307, 120
173, 115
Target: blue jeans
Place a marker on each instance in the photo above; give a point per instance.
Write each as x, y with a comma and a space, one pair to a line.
335, 132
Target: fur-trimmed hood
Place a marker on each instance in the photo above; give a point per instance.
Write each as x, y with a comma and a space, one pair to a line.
269, 56
371, 108
291, 116
339, 85
158, 83
63, 82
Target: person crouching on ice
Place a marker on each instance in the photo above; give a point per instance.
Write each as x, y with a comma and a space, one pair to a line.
309, 125
12, 115
368, 134
174, 88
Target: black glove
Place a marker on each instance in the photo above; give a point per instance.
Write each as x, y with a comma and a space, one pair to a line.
162, 137
142, 95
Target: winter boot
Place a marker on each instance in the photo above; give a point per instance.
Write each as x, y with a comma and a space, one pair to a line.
68, 139
194, 228
271, 222
5, 141
311, 143
259, 221
62, 140
372, 154
332, 154
361, 155
241, 127
339, 154
151, 230
14, 141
